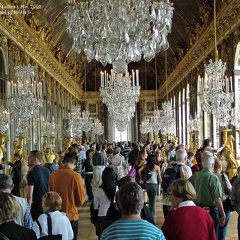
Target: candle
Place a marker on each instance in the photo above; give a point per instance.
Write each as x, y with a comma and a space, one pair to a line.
11, 88
101, 74
133, 78
137, 77
40, 89
231, 87
227, 84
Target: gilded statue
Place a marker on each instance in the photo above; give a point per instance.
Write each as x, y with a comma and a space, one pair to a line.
230, 156
58, 52
175, 140
44, 31
17, 148
2, 146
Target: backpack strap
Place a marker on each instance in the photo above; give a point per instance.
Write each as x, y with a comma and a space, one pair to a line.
3, 236
39, 225
49, 222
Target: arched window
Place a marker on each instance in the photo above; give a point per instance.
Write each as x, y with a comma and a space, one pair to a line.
183, 116
187, 112
179, 118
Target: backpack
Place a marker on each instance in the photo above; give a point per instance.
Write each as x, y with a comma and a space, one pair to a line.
145, 174
51, 166
170, 175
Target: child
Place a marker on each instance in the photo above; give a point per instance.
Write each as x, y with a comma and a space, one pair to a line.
52, 203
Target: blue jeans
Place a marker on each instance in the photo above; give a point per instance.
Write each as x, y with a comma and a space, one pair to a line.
214, 213
222, 231
152, 190
74, 225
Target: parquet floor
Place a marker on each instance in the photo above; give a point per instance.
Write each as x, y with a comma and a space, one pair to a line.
87, 230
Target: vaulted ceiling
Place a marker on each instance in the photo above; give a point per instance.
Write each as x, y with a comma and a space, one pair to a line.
190, 17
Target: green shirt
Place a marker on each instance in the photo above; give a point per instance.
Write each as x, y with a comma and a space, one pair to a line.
207, 186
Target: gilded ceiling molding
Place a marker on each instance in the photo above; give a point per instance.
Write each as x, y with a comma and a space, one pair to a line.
12, 27
93, 96
227, 22
147, 95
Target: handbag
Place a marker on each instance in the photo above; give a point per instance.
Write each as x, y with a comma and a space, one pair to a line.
227, 203
121, 172
132, 173
145, 174
50, 236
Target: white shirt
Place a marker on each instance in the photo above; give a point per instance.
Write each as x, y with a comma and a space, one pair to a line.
101, 201
186, 204
60, 225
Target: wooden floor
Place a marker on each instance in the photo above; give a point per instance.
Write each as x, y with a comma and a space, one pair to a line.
87, 231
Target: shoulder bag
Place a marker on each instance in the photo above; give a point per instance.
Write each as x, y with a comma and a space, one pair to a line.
50, 236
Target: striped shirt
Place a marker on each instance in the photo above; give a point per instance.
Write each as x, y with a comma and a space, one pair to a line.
132, 230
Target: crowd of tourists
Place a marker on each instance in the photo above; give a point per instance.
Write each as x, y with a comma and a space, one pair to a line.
122, 182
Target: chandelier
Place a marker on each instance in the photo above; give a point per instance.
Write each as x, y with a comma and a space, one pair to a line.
156, 121
79, 121
145, 126
235, 116
22, 126
216, 92
49, 128
25, 99
110, 30
4, 120
194, 124
97, 127
168, 119
120, 93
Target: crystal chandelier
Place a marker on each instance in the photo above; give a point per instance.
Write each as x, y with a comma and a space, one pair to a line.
25, 100
235, 116
216, 92
97, 127
168, 119
22, 128
156, 121
194, 124
120, 93
4, 120
145, 126
86, 122
49, 128
112, 29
